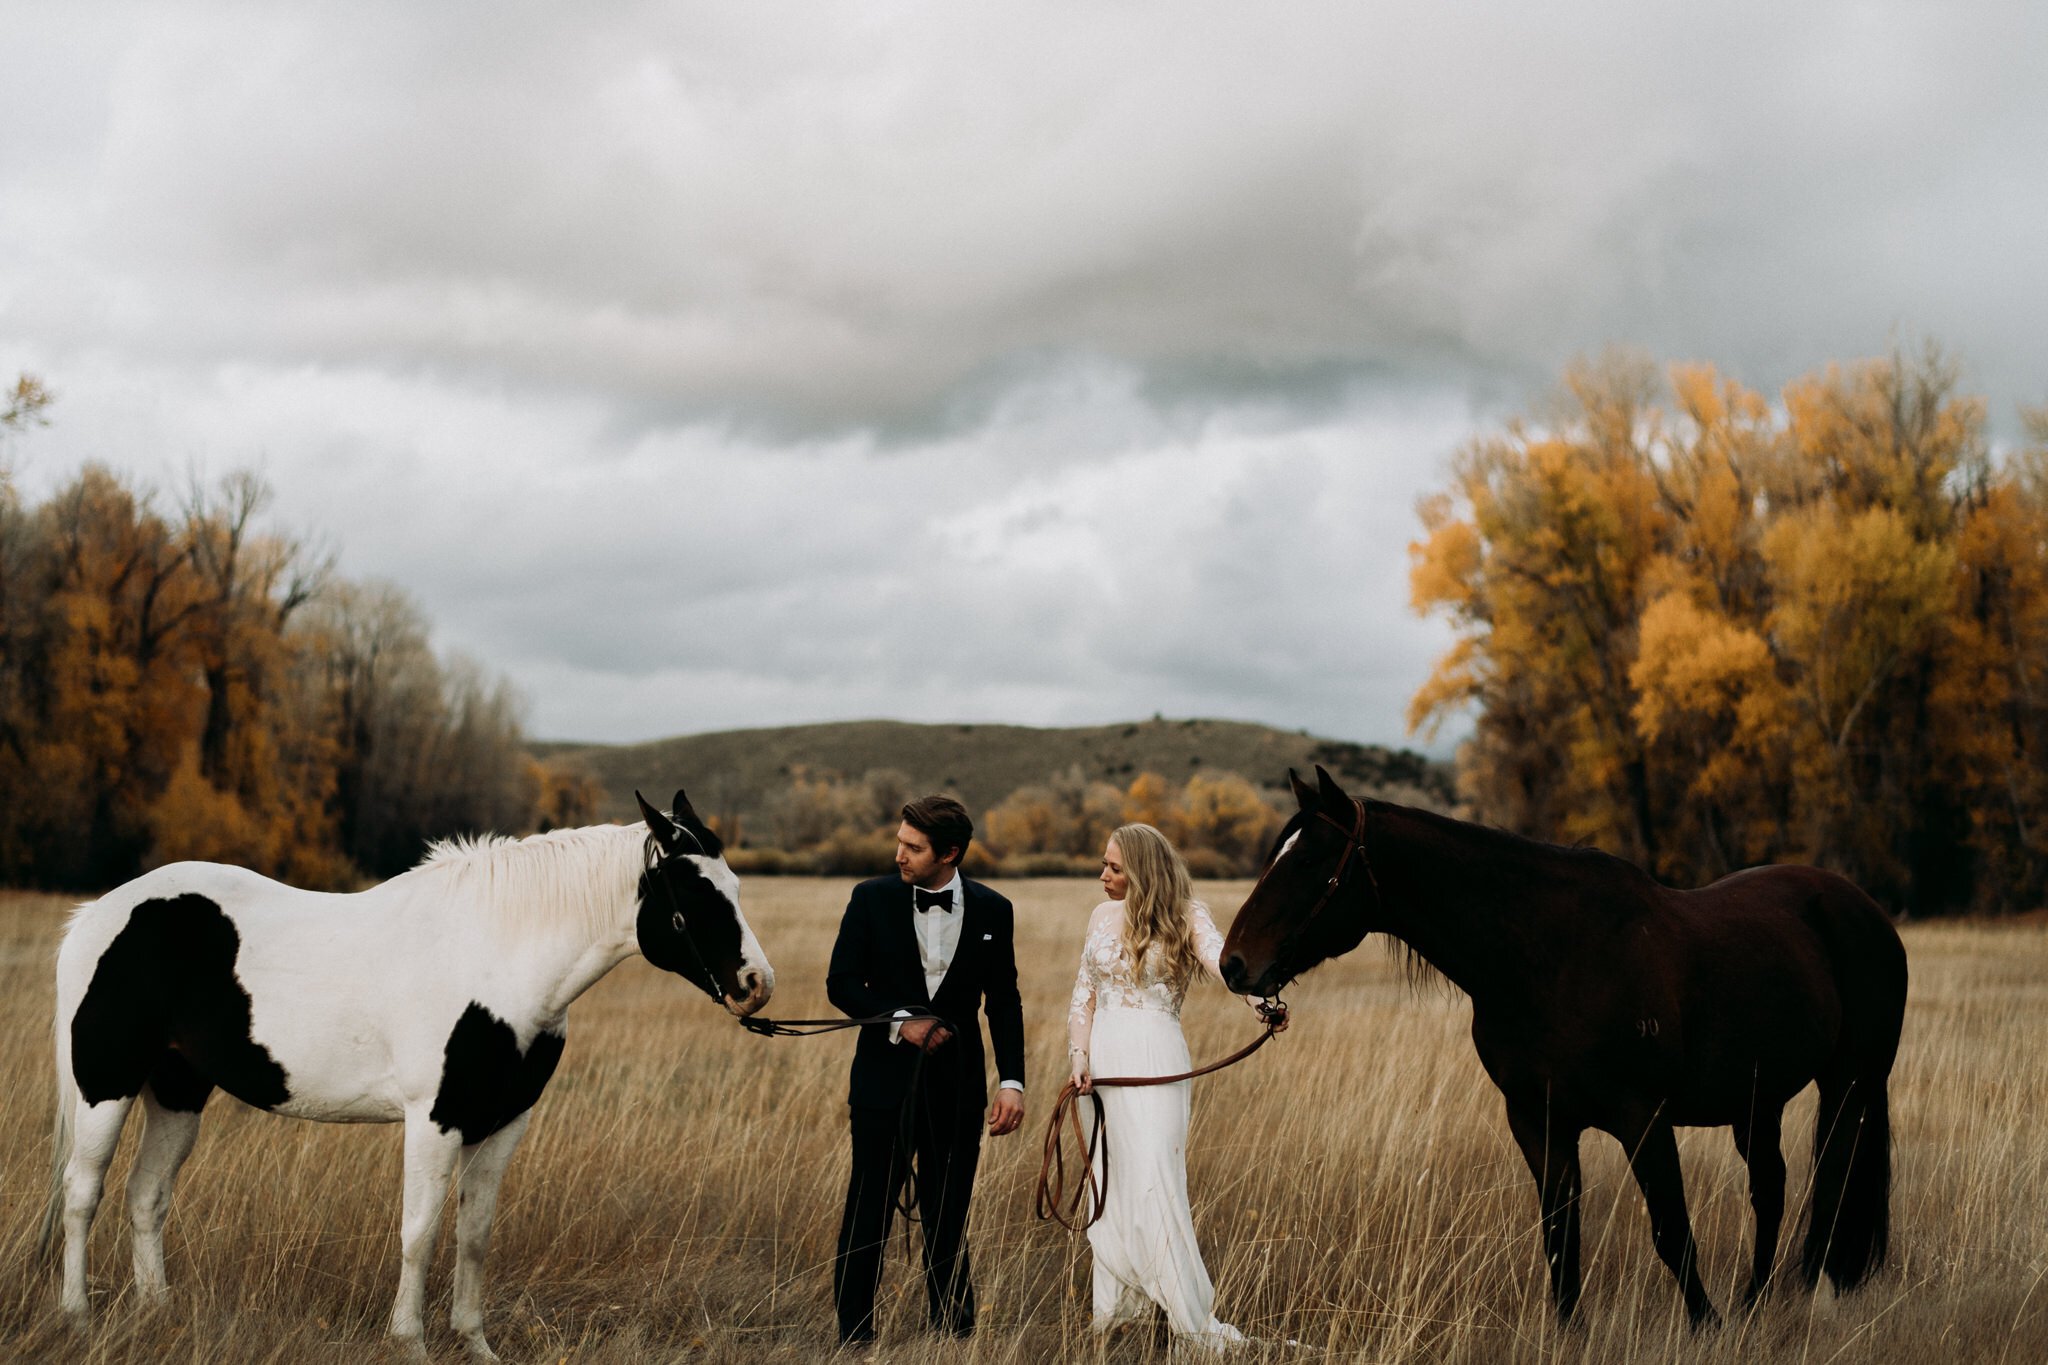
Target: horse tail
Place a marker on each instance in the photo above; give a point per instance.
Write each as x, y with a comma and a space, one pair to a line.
60, 1143
1848, 1234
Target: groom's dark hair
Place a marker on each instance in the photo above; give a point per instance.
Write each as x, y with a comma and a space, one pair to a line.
944, 821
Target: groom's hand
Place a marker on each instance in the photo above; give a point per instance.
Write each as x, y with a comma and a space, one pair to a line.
1007, 1113
923, 1033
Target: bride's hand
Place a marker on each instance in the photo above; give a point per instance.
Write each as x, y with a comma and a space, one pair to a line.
1083, 1082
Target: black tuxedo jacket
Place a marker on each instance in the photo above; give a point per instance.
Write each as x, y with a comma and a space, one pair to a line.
876, 969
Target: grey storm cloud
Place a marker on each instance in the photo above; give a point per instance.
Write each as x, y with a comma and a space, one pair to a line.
690, 363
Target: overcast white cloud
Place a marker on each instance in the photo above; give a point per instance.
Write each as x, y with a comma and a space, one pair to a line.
711, 366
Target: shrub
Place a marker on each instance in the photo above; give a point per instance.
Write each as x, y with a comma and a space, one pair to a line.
770, 862
1049, 865
848, 852
1211, 863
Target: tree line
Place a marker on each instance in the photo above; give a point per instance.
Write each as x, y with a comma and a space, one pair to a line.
185, 682
1704, 630
834, 825
1694, 626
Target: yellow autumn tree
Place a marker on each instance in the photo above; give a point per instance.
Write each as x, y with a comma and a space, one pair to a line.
1539, 554
1148, 801
1026, 821
1070, 814
1222, 814
1988, 704
1705, 632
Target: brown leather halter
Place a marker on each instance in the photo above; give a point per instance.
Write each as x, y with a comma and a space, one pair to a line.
1354, 842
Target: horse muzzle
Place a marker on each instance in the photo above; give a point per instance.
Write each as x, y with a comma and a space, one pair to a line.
1235, 974
759, 984
1240, 978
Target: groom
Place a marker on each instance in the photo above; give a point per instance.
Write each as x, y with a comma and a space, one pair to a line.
931, 947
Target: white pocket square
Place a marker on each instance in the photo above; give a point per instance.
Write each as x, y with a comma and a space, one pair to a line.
987, 937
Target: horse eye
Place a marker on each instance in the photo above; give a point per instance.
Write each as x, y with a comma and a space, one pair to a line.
677, 920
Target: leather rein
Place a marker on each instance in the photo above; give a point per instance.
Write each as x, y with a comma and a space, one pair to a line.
1067, 1209
904, 1196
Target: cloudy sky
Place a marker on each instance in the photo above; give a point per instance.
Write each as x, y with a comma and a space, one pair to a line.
702, 366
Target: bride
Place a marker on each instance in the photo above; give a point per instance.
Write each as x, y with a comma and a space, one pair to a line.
1143, 947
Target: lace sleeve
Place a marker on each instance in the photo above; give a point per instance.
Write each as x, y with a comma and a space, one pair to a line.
1081, 1009
1208, 941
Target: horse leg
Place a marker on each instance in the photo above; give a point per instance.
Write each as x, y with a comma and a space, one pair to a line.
1654, 1160
95, 1132
1553, 1157
167, 1137
429, 1162
1757, 1140
476, 1200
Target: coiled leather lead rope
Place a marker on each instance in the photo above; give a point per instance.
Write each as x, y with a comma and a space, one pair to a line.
1054, 1201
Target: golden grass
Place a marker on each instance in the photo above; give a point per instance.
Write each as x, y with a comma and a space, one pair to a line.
1354, 1187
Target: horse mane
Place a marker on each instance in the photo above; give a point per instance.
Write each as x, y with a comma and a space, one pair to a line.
1485, 841
536, 885
1521, 848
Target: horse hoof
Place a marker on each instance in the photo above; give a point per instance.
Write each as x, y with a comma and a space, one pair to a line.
479, 1349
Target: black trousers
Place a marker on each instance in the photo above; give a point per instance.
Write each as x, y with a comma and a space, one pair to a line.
948, 1146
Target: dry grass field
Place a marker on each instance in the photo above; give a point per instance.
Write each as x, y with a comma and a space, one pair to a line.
1354, 1187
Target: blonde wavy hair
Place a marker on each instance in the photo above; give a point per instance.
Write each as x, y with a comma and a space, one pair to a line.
1157, 903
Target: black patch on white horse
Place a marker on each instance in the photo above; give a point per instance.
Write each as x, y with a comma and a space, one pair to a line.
486, 1083
166, 1009
178, 1086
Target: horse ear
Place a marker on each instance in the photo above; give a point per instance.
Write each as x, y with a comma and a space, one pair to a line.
1331, 792
682, 810
693, 825
1304, 794
659, 825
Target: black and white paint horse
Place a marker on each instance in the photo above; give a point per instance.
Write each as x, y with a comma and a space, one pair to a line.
439, 998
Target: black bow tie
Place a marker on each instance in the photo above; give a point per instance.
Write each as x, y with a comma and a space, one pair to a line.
933, 900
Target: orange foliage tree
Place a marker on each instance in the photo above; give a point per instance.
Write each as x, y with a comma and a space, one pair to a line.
190, 685
1223, 815
1070, 815
1220, 821
1707, 633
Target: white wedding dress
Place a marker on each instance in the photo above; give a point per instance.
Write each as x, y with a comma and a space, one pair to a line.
1129, 1024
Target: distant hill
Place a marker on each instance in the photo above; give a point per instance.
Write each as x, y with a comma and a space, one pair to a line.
732, 772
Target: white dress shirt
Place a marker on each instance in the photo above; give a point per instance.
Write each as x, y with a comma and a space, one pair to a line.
938, 939
938, 935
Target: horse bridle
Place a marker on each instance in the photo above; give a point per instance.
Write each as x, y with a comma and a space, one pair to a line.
652, 861
1354, 842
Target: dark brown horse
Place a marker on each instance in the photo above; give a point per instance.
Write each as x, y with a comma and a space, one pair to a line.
1603, 1000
